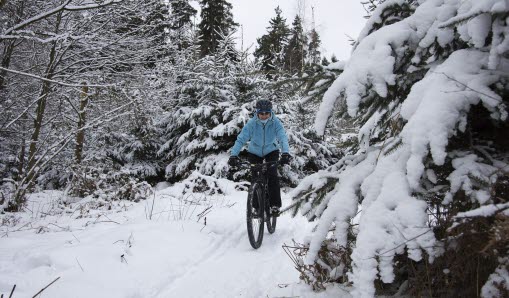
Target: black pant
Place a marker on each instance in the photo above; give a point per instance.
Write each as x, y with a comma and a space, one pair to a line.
274, 190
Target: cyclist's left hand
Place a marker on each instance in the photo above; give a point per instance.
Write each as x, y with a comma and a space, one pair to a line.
285, 158
234, 161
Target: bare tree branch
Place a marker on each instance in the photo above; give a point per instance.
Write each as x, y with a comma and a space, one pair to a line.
53, 81
63, 6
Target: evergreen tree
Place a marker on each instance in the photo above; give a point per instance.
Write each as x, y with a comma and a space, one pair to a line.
314, 47
149, 21
181, 13
429, 92
271, 46
216, 22
201, 122
181, 29
295, 53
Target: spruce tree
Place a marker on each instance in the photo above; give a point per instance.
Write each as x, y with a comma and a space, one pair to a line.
427, 85
181, 28
314, 47
151, 22
296, 52
216, 22
181, 13
201, 121
271, 46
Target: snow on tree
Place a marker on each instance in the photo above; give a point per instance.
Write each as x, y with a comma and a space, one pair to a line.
88, 50
314, 47
205, 115
216, 23
295, 52
427, 81
181, 13
271, 46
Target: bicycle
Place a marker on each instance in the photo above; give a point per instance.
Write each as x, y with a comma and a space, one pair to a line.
258, 200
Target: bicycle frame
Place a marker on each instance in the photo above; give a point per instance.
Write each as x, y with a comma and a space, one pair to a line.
260, 176
259, 183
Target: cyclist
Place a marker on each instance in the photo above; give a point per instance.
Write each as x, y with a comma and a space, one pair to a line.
267, 136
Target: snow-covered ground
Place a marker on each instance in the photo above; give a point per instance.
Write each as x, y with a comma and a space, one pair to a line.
130, 251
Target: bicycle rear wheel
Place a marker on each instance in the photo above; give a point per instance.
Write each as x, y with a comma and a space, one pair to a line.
255, 215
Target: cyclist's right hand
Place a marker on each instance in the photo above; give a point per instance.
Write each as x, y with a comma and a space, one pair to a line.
234, 161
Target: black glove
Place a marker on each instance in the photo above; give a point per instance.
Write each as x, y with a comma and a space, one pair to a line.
285, 158
234, 161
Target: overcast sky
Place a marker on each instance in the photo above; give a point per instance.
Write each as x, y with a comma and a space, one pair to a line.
334, 19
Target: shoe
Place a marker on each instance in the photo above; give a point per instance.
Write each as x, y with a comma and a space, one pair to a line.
274, 211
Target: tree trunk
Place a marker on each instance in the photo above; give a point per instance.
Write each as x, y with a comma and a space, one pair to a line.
9, 44
21, 158
41, 107
19, 197
6, 61
80, 136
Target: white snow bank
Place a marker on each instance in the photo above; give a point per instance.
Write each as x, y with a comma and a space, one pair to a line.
118, 251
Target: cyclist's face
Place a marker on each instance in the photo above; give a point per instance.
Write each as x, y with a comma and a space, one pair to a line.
264, 115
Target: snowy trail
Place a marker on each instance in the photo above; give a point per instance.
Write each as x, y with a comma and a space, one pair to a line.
123, 254
236, 267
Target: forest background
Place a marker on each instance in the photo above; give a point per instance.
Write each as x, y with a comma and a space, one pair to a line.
407, 139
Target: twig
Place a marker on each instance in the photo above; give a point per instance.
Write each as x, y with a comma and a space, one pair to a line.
152, 208
123, 259
405, 242
80, 265
75, 237
65, 229
12, 292
464, 85
45, 287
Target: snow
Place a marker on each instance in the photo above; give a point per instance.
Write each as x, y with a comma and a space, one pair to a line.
122, 253
393, 221
466, 167
433, 114
498, 280
376, 17
485, 211
372, 62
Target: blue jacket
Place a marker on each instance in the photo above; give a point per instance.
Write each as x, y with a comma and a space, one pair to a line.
264, 138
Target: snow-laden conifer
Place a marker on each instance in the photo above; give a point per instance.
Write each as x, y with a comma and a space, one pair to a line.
205, 115
427, 82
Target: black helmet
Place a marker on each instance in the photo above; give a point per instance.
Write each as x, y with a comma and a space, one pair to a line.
263, 106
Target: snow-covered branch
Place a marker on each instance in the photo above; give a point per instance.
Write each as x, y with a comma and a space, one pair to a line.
53, 81
64, 6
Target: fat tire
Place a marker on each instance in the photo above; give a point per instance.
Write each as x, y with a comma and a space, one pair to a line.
255, 225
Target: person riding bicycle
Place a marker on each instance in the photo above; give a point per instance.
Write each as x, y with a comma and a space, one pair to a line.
267, 136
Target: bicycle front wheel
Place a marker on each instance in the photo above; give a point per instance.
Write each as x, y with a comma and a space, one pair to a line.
255, 215
271, 221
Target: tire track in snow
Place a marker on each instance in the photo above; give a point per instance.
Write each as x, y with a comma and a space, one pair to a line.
231, 268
